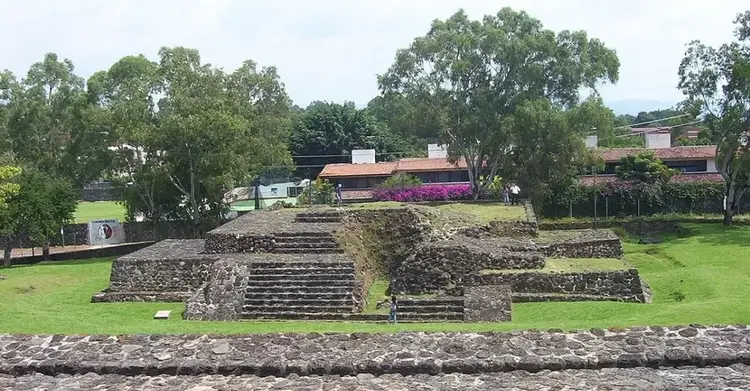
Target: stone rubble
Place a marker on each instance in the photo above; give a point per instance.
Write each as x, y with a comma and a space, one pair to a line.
735, 377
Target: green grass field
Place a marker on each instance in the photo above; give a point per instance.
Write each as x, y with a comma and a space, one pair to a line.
101, 210
570, 265
484, 212
701, 277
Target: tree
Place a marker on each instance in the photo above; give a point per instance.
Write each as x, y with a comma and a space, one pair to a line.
643, 167
48, 122
718, 82
404, 117
7, 187
548, 147
335, 130
474, 75
41, 206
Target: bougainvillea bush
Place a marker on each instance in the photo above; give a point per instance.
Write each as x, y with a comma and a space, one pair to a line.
425, 193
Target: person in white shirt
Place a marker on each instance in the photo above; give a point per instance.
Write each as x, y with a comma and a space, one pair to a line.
514, 193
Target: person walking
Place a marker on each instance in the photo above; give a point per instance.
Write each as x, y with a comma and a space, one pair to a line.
515, 191
394, 309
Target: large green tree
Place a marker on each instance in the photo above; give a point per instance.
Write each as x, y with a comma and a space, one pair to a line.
209, 130
473, 75
717, 80
335, 130
50, 124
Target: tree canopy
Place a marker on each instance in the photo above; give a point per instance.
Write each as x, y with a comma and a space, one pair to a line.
717, 81
474, 75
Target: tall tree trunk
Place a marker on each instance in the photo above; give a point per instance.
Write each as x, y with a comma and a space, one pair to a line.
729, 197
45, 251
728, 217
7, 260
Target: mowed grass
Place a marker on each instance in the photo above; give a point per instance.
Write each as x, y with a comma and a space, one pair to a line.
702, 277
484, 212
571, 265
100, 210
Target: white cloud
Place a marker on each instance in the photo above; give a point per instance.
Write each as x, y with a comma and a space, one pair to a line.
332, 49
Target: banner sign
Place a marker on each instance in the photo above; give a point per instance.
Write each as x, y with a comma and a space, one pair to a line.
104, 232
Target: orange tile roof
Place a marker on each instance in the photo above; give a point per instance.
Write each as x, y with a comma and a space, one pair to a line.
674, 153
417, 165
355, 170
387, 168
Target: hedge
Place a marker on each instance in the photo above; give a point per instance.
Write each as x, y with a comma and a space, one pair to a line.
633, 199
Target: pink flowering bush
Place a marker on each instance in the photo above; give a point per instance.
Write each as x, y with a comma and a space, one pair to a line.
424, 193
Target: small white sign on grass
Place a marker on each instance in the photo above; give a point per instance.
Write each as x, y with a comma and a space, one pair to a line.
164, 314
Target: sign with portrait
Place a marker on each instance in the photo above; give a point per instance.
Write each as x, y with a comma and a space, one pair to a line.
104, 232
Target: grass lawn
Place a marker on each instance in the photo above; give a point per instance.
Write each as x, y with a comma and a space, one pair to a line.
484, 212
701, 277
100, 210
568, 265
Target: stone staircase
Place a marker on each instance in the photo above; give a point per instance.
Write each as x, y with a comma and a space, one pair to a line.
300, 289
319, 217
306, 243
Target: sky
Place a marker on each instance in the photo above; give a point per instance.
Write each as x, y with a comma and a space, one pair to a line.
333, 49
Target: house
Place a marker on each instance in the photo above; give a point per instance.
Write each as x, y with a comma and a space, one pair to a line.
242, 199
363, 174
693, 163
358, 178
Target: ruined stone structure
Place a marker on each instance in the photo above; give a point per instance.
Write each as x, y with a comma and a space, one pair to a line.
318, 264
645, 358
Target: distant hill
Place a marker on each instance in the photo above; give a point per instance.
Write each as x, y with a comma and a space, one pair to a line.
635, 106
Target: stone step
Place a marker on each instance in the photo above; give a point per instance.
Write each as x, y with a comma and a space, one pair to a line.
305, 239
289, 284
298, 290
308, 250
304, 234
545, 297
431, 309
458, 301
330, 276
298, 309
306, 245
254, 301
402, 317
301, 263
286, 296
317, 220
320, 214
302, 270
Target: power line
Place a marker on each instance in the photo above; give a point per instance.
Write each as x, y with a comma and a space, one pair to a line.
348, 155
658, 129
652, 121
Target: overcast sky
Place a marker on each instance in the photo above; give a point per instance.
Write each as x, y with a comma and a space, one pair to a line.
333, 49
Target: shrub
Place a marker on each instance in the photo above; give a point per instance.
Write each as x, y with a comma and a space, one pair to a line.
424, 193
400, 180
319, 192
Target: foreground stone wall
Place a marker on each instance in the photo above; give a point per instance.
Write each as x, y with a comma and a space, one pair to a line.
623, 285
376, 354
170, 270
443, 266
734, 377
222, 297
590, 244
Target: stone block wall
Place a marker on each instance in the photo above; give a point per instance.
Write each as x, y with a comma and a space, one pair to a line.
226, 243
222, 296
594, 248
170, 270
625, 285
487, 303
443, 266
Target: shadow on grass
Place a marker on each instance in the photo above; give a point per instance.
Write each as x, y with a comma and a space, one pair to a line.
717, 234
75, 262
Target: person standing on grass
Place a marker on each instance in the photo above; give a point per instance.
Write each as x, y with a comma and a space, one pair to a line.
506, 197
514, 192
394, 309
339, 196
